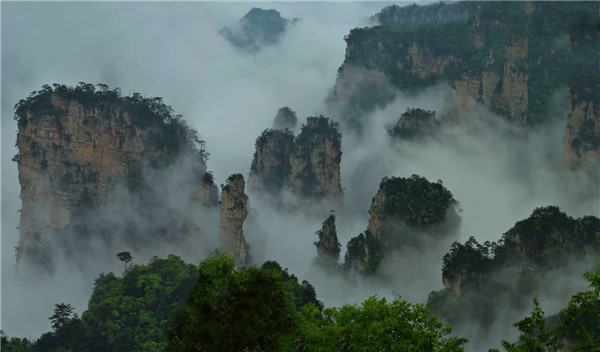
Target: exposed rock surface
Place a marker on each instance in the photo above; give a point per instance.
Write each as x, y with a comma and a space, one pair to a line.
328, 247
75, 147
285, 119
308, 166
234, 209
582, 135
271, 165
505, 57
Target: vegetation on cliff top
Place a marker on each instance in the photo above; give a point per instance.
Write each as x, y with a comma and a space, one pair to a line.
414, 212
447, 32
547, 240
165, 131
415, 200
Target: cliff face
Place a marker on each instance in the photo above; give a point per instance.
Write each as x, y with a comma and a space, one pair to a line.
328, 247
316, 163
73, 152
234, 209
582, 135
506, 57
271, 164
308, 166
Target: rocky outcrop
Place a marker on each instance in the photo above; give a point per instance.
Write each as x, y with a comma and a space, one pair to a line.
405, 205
256, 29
328, 247
308, 165
75, 146
234, 209
415, 124
425, 63
406, 213
512, 99
207, 192
316, 162
271, 165
285, 119
582, 135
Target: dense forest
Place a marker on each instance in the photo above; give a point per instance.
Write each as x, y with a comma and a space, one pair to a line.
170, 305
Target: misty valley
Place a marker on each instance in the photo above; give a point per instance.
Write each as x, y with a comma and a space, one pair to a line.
346, 176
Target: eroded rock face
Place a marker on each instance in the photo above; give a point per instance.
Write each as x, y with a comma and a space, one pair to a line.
71, 157
271, 165
308, 166
582, 135
234, 209
316, 163
492, 61
328, 247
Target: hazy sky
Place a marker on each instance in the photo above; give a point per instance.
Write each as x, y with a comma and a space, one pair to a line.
173, 50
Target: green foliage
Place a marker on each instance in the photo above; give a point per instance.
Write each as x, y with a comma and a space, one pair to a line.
549, 237
416, 201
363, 254
62, 314
303, 293
535, 336
319, 128
14, 344
125, 257
128, 313
544, 241
579, 326
132, 313
376, 325
471, 258
234, 310
581, 318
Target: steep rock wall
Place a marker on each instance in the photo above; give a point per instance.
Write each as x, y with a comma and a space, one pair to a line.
328, 247
73, 152
308, 165
582, 135
234, 209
